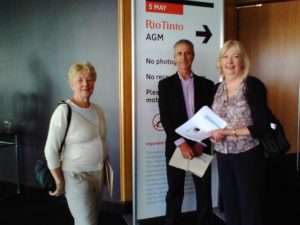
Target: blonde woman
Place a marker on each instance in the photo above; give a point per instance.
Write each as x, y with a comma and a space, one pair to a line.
241, 100
79, 172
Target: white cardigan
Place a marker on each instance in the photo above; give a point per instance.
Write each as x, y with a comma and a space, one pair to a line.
85, 146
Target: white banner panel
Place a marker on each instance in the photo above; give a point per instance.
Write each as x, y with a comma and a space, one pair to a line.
157, 26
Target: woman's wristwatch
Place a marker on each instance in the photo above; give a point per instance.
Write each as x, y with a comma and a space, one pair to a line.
234, 133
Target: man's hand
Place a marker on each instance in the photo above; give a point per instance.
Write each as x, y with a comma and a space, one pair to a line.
197, 149
186, 151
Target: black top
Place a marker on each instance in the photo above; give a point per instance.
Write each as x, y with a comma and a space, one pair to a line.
172, 106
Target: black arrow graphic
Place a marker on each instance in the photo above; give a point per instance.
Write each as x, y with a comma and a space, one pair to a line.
207, 34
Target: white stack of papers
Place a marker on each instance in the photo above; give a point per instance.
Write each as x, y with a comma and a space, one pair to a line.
197, 128
196, 166
109, 177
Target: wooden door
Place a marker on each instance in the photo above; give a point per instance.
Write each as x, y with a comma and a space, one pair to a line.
271, 36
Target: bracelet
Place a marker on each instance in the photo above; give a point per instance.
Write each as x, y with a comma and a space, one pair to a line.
234, 132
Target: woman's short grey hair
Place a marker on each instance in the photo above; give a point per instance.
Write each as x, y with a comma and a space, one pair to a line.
79, 66
241, 51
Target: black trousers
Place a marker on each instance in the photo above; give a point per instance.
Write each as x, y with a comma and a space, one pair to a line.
175, 194
242, 184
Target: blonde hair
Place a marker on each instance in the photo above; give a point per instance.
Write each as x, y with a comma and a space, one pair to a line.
77, 67
241, 51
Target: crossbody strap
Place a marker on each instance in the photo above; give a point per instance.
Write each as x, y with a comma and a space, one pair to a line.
69, 115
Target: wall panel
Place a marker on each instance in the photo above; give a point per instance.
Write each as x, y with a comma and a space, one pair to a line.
271, 36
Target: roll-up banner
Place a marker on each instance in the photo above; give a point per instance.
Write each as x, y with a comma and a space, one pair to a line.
157, 25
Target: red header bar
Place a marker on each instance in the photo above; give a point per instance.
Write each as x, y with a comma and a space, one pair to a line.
161, 7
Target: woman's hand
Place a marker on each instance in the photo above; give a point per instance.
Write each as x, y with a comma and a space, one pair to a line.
60, 189
59, 182
217, 135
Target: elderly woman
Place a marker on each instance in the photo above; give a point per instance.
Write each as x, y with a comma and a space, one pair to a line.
79, 171
241, 100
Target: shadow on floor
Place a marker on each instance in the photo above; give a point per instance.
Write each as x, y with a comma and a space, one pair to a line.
38, 208
41, 209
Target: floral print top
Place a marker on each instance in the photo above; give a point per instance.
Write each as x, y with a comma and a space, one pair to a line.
236, 112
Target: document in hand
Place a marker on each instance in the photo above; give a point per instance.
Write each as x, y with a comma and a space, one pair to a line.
197, 128
197, 165
109, 177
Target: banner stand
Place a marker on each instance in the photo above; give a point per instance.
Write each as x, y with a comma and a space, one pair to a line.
157, 26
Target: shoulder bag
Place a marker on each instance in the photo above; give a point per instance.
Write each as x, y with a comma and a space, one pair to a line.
43, 175
275, 142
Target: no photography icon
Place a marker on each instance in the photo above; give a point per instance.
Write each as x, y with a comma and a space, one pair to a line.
156, 123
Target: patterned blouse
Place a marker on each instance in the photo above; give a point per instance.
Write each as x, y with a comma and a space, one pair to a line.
236, 112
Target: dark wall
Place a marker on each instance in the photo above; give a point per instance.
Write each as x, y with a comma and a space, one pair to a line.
39, 41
